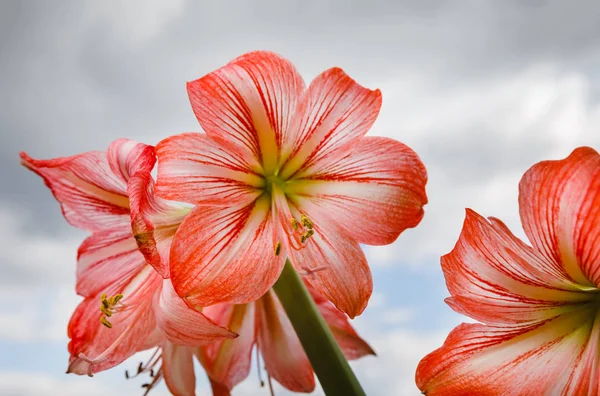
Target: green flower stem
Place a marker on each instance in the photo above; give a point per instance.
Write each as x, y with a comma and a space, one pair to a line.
330, 365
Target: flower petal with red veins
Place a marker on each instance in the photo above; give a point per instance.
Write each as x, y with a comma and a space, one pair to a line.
107, 259
285, 359
559, 204
225, 254
127, 157
337, 268
350, 342
91, 196
332, 115
528, 359
220, 173
497, 279
227, 362
132, 325
183, 325
250, 102
154, 221
373, 194
178, 369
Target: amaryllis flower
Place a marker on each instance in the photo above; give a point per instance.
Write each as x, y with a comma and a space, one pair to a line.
283, 170
173, 363
265, 325
539, 305
128, 306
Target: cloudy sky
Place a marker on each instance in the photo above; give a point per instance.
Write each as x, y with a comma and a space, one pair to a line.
481, 90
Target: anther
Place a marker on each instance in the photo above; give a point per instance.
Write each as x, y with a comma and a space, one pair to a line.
308, 234
107, 307
306, 222
105, 322
277, 248
294, 223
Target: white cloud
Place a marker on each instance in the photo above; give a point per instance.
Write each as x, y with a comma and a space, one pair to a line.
477, 140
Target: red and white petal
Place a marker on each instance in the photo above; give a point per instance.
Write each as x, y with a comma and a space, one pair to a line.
178, 369
225, 254
94, 347
285, 359
336, 267
91, 196
350, 342
530, 359
218, 389
228, 362
183, 325
250, 102
560, 209
154, 221
497, 279
127, 157
373, 194
199, 169
107, 259
331, 116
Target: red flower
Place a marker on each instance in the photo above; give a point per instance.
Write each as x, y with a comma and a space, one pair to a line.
127, 305
284, 171
264, 323
539, 305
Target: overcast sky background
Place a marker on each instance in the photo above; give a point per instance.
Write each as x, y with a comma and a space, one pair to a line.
481, 90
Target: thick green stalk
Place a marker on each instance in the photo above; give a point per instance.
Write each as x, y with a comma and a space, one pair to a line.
330, 365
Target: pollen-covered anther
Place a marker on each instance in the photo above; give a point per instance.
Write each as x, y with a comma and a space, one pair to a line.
295, 223
307, 235
306, 222
108, 306
277, 248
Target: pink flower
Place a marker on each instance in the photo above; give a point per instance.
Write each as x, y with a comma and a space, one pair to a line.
284, 171
264, 323
128, 306
539, 304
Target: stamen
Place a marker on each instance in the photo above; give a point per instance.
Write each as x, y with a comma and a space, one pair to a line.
308, 234
311, 271
271, 391
306, 222
277, 248
108, 307
105, 322
262, 382
294, 223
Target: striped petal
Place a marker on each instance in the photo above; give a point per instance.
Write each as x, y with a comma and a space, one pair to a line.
178, 369
95, 347
530, 359
333, 113
225, 254
183, 325
284, 356
92, 187
220, 172
560, 210
107, 259
336, 268
154, 221
250, 102
495, 278
350, 342
227, 362
373, 194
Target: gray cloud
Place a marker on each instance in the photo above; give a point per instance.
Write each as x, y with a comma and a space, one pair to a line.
481, 90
